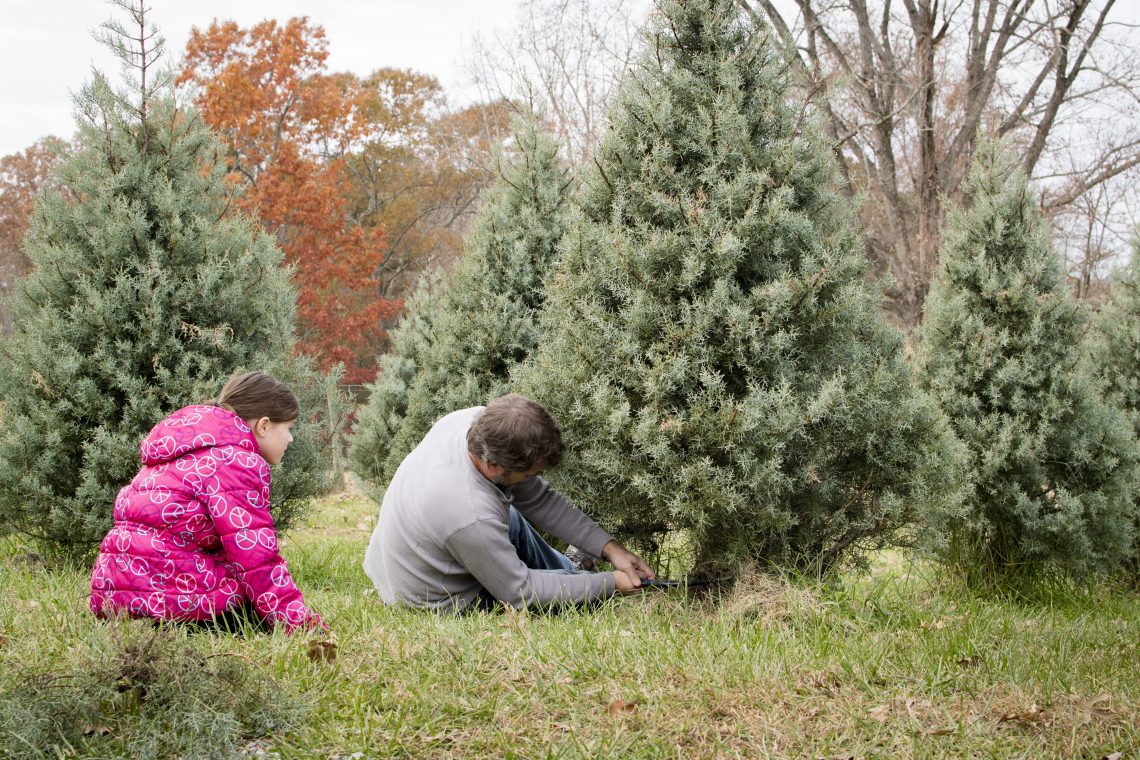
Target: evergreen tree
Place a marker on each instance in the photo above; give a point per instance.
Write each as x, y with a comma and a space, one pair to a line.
1054, 465
1116, 356
456, 349
1117, 347
147, 292
722, 372
379, 419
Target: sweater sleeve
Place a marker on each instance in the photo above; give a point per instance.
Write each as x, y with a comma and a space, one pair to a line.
484, 549
249, 546
553, 513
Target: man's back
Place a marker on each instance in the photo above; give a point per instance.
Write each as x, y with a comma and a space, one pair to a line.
435, 492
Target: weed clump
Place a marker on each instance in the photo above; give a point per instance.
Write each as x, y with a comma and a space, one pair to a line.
155, 692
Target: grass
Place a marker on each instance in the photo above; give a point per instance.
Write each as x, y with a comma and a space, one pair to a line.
900, 662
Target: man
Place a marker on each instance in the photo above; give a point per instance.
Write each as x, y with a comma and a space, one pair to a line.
451, 533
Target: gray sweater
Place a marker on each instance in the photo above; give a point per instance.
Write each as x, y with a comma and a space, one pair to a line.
442, 532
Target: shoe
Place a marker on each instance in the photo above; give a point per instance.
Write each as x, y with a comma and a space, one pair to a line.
580, 560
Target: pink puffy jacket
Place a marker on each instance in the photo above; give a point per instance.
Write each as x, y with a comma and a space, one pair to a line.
193, 536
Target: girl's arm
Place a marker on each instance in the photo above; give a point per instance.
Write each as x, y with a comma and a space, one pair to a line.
249, 543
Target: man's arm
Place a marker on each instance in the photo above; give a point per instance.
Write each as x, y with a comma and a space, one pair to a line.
484, 550
553, 513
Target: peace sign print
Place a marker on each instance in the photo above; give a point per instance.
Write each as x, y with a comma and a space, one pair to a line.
268, 601
203, 440
159, 546
240, 518
279, 576
295, 611
158, 494
267, 538
206, 466
246, 539
217, 505
197, 523
186, 583
161, 448
157, 604
123, 540
172, 513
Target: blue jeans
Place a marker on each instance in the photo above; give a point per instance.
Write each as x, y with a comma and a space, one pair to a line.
532, 547
534, 552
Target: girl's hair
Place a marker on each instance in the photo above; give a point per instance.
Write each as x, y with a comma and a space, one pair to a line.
253, 395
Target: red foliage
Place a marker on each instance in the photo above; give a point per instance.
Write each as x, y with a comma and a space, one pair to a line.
287, 124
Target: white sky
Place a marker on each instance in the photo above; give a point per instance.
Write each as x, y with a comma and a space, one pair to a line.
47, 47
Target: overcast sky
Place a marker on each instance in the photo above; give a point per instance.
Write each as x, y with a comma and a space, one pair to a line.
47, 48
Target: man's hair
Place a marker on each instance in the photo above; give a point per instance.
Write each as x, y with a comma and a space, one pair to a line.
253, 395
517, 434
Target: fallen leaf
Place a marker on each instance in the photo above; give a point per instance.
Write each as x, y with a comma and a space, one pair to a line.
942, 731
880, 713
322, 651
619, 707
967, 662
1032, 715
1113, 756
1099, 707
96, 730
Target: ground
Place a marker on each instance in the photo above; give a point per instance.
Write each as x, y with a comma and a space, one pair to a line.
899, 662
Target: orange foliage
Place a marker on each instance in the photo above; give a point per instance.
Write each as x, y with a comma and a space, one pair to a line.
287, 123
22, 175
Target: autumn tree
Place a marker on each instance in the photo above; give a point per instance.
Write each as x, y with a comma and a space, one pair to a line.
148, 290
904, 87
1053, 463
22, 176
417, 169
721, 370
287, 124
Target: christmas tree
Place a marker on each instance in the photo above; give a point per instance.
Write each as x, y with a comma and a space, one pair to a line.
1116, 357
147, 292
458, 341
1116, 349
1053, 463
721, 369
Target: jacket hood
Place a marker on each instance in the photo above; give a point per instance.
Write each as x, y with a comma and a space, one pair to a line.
193, 428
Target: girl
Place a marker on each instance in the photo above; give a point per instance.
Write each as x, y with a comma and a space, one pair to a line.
193, 537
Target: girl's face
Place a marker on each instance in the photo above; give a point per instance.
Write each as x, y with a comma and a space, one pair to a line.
272, 437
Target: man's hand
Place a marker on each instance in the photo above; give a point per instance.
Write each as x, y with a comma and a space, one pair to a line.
624, 583
626, 564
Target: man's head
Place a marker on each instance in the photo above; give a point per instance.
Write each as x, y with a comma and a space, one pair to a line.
517, 435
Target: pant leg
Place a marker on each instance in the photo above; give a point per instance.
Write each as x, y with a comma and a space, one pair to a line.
532, 549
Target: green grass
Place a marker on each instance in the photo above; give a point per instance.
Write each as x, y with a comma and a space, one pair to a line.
900, 662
